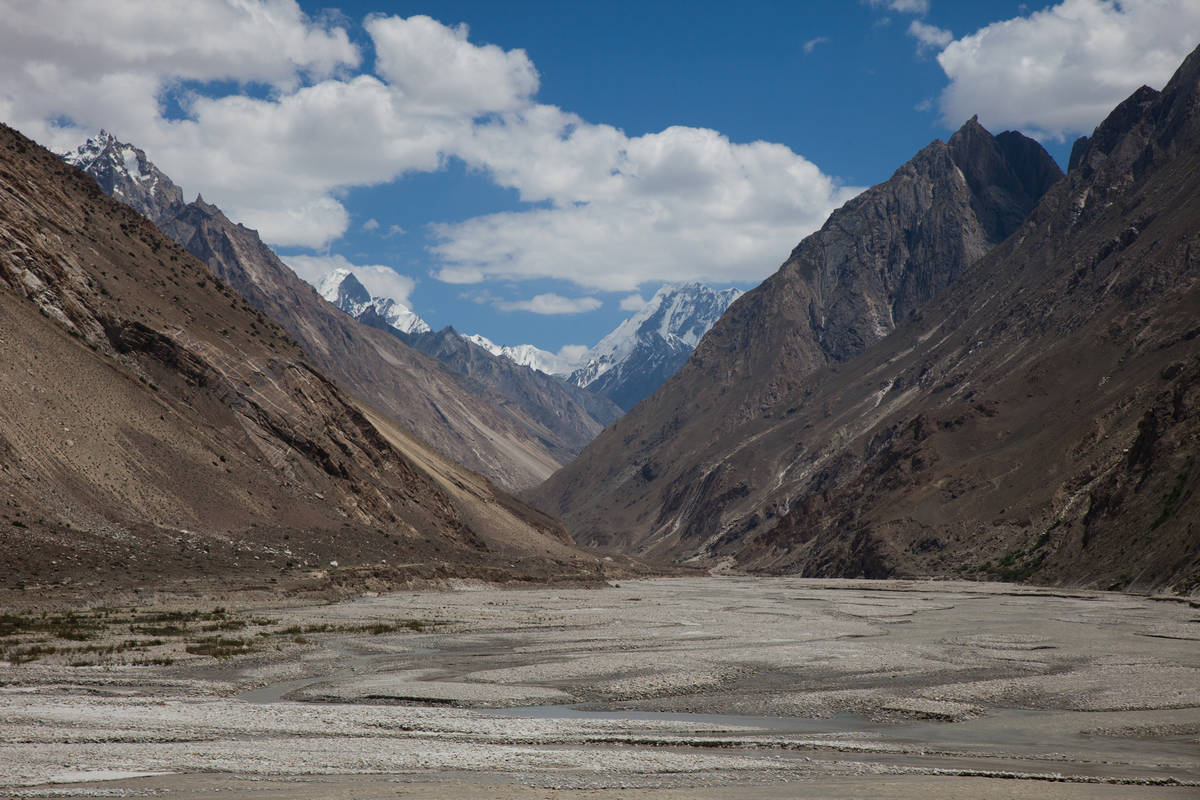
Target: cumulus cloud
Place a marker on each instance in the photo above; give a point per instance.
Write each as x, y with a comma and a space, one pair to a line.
550, 304
902, 6
682, 204
633, 302
437, 70
380, 281
613, 211
1059, 71
929, 36
371, 225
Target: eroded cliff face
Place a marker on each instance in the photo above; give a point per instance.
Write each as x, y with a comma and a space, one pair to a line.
158, 430
670, 468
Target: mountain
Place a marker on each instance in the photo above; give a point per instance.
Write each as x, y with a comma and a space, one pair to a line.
563, 417
526, 355
124, 172
504, 444
1037, 420
158, 431
345, 291
714, 452
645, 350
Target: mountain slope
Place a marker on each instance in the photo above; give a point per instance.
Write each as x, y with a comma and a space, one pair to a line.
567, 417
570, 416
666, 471
632, 361
157, 430
1038, 420
413, 390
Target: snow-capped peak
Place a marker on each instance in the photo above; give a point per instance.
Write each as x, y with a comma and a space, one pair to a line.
632, 361
527, 355
332, 285
125, 173
345, 291
678, 315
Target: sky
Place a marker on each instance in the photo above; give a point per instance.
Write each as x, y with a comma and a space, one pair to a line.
534, 171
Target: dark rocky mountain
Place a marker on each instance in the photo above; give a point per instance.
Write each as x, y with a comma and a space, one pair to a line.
1035, 420
569, 417
636, 358
413, 390
159, 431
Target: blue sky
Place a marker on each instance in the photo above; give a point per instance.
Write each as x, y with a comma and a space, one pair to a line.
534, 175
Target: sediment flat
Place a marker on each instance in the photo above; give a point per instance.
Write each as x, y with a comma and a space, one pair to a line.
666, 688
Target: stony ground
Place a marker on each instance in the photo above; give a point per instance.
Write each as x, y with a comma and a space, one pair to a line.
669, 688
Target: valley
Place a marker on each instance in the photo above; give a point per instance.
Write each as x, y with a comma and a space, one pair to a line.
648, 689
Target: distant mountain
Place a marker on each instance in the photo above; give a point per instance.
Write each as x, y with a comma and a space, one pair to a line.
630, 363
345, 291
124, 173
526, 355
157, 431
412, 390
567, 417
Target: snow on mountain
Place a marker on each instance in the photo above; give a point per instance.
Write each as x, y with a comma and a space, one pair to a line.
630, 363
527, 355
345, 291
124, 172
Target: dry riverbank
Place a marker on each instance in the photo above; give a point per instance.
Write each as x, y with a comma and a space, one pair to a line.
715, 687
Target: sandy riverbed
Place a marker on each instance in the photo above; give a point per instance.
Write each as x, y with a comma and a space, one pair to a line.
672, 688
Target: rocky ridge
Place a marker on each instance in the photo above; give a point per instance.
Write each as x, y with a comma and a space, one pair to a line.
159, 431
677, 461
412, 390
569, 417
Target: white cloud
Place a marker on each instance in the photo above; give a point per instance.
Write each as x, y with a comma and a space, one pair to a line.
379, 280
811, 44
615, 211
438, 71
1059, 71
633, 302
682, 204
550, 304
371, 225
902, 6
929, 36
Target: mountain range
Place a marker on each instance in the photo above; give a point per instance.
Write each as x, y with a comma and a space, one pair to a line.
498, 439
158, 430
977, 368
625, 366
